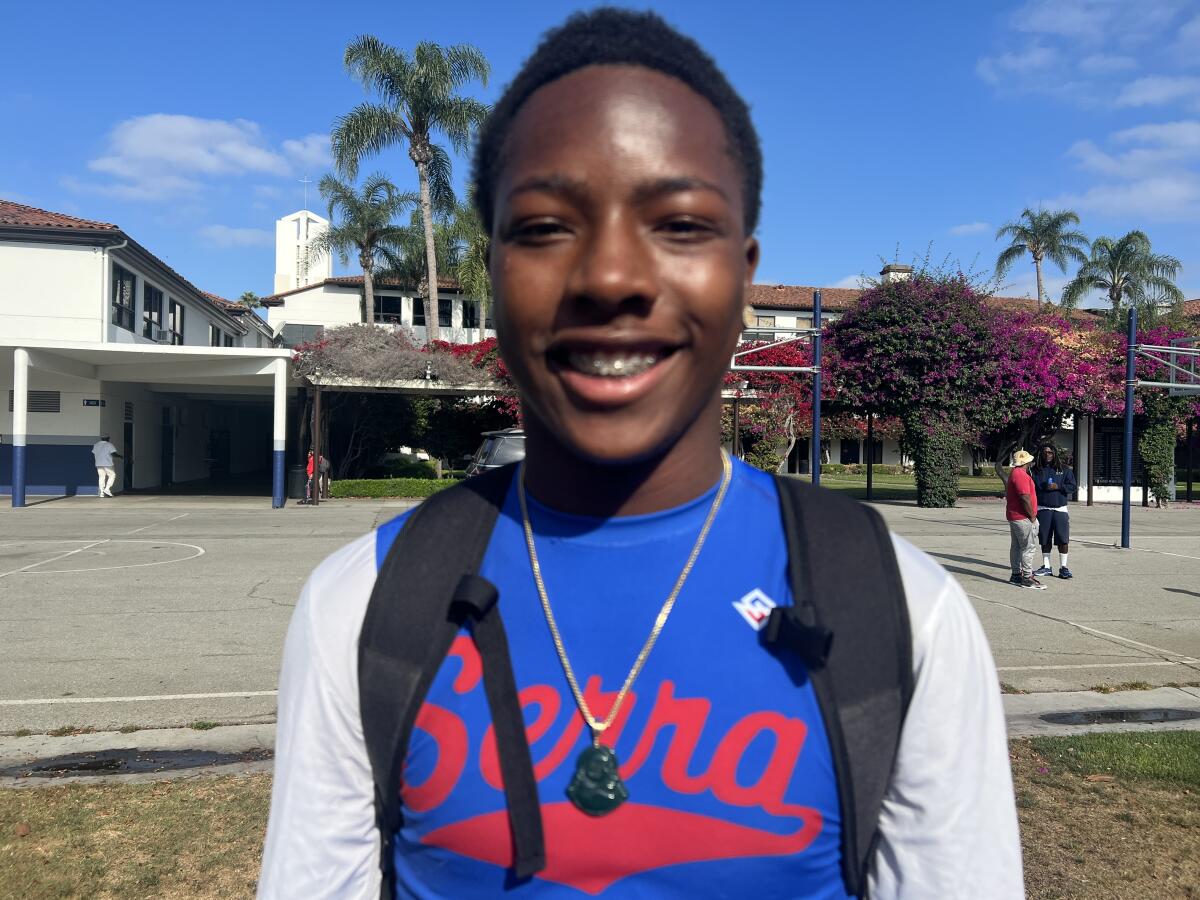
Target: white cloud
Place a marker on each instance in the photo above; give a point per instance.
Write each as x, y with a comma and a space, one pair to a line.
163, 156
1103, 64
1156, 90
223, 236
1154, 150
1004, 66
971, 228
267, 191
310, 152
1155, 175
1164, 198
850, 281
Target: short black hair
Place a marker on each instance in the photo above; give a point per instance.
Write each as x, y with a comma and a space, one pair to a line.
609, 36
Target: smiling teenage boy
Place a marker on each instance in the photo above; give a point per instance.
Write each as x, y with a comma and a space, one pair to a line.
661, 746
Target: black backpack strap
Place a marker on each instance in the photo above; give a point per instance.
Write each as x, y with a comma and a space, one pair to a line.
425, 590
849, 624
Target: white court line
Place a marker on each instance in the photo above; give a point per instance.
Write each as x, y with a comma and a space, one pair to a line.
1128, 665
1139, 549
57, 701
152, 524
55, 558
1179, 658
162, 562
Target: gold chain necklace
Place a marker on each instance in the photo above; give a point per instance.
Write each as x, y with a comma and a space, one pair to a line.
596, 787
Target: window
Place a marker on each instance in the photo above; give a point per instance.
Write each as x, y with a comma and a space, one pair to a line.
387, 308
152, 309
418, 312
229, 340
444, 307
294, 335
214, 336
470, 314
124, 297
850, 451
175, 323
39, 401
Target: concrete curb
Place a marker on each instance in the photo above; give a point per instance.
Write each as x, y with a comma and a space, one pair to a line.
1022, 713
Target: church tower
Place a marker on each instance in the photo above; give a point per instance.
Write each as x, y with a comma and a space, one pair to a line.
293, 268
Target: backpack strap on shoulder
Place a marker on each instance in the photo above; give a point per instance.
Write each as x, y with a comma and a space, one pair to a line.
426, 589
849, 624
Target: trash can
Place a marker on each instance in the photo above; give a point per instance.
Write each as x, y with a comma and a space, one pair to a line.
297, 480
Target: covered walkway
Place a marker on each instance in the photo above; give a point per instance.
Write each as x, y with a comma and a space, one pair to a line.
177, 414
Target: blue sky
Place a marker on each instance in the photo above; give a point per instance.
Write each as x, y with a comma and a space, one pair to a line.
887, 127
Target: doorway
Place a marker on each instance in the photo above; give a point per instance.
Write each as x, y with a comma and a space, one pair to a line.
168, 449
127, 457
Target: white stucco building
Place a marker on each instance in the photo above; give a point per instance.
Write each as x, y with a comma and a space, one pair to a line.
295, 265
99, 336
300, 314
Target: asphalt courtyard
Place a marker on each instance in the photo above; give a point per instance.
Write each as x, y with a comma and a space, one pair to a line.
162, 611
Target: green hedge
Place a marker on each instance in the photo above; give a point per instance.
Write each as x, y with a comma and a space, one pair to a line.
389, 487
861, 469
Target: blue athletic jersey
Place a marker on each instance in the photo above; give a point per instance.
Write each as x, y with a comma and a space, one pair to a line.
731, 784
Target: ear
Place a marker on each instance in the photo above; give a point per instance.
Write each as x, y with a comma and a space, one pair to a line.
751, 250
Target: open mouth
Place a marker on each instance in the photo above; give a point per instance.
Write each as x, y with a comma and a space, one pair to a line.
610, 375
608, 362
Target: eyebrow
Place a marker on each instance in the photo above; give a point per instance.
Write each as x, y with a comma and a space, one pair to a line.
576, 189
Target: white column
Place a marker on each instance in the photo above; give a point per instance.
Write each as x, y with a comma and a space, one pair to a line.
279, 432
20, 423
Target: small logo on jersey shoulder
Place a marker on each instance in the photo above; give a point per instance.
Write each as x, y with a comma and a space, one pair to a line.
754, 608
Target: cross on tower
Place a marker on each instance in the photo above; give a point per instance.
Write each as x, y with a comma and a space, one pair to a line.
306, 182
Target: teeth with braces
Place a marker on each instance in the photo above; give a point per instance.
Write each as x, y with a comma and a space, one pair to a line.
611, 366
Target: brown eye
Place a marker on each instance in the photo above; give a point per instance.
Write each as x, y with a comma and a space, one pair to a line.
536, 232
685, 229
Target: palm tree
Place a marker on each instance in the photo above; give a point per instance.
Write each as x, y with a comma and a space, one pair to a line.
472, 268
418, 99
365, 228
249, 299
1043, 235
1129, 271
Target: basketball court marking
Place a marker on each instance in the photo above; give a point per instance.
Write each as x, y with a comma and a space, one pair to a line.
53, 558
1167, 656
152, 524
56, 701
28, 569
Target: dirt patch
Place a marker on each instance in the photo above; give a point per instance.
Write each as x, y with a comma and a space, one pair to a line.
1100, 836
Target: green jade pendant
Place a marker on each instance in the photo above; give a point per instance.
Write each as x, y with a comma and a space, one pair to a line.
596, 787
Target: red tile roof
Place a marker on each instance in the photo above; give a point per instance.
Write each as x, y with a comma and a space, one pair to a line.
31, 217
795, 296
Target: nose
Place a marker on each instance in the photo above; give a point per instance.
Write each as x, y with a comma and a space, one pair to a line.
614, 271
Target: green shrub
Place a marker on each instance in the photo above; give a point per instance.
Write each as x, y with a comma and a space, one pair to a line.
936, 447
1157, 450
860, 469
390, 487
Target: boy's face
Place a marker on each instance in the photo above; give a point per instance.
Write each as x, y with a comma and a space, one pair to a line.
619, 261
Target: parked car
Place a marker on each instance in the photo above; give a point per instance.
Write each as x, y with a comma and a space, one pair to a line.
498, 449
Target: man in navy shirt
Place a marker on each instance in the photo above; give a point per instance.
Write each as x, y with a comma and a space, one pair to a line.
1055, 484
619, 177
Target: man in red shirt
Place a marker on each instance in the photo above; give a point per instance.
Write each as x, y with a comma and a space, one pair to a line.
1021, 511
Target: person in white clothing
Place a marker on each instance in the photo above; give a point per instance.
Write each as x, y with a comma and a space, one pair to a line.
104, 453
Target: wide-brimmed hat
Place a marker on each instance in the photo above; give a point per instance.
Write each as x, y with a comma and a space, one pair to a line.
1021, 458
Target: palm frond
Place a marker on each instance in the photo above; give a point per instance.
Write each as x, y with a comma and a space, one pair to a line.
1008, 258
365, 130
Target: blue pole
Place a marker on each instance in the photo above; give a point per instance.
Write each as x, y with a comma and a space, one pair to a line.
18, 474
1127, 474
816, 402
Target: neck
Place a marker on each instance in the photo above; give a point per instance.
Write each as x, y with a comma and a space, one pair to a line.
560, 479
